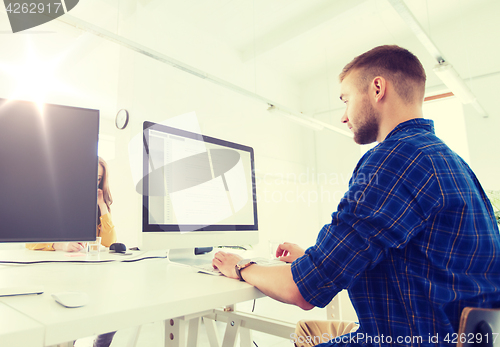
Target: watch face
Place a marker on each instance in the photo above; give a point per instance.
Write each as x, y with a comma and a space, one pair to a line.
243, 262
121, 119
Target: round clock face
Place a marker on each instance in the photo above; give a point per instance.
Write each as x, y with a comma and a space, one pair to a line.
121, 119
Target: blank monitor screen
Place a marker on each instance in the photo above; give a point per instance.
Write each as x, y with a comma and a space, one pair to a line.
48, 172
196, 183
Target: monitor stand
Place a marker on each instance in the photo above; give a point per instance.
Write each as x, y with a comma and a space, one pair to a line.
191, 256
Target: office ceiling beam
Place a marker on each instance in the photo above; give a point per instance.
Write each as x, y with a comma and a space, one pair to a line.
298, 26
408, 17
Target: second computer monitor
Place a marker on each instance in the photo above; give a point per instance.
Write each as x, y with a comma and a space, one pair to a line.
198, 191
48, 172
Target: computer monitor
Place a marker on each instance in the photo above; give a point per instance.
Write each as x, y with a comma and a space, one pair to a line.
48, 172
198, 191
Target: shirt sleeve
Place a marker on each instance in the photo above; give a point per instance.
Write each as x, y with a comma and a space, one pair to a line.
106, 230
40, 246
382, 209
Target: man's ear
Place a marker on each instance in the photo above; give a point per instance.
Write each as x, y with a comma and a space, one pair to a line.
378, 88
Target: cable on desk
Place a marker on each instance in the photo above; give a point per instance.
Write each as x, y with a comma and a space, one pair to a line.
139, 259
253, 308
80, 261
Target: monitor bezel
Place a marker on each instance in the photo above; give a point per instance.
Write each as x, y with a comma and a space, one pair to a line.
146, 226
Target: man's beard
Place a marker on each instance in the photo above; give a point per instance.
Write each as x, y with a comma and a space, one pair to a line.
367, 132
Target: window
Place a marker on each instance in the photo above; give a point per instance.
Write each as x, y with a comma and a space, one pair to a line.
449, 123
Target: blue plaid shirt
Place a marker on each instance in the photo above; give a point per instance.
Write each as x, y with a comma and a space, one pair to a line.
414, 241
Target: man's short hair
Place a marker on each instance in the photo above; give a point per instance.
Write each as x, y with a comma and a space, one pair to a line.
396, 64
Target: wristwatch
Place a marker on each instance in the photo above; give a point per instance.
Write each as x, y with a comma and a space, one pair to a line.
242, 264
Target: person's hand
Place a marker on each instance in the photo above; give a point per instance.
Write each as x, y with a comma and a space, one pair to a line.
289, 252
226, 262
69, 246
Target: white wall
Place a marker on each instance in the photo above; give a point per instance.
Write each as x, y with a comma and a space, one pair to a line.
483, 133
336, 154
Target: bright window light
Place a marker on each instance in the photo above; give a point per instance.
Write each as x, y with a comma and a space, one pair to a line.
449, 123
35, 77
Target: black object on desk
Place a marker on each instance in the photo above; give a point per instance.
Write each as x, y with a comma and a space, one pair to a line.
117, 248
202, 250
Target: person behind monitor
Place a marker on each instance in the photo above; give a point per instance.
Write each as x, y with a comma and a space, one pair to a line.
414, 240
105, 230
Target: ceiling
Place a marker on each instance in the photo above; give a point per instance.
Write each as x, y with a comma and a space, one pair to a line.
304, 38
307, 40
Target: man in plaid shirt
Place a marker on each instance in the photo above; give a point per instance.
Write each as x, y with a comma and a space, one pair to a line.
414, 240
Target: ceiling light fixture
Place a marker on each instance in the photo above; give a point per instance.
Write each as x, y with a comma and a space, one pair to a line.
443, 70
456, 84
452, 80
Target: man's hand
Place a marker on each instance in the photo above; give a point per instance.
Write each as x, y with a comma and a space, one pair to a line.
68, 246
289, 252
226, 263
274, 281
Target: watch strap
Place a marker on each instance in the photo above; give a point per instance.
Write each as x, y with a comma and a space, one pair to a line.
239, 267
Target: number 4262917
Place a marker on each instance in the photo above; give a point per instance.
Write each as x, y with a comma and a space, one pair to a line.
34, 7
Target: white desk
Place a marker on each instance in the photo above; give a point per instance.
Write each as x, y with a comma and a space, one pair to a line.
121, 294
17, 330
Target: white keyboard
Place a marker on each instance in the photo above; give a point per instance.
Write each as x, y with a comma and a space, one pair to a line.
209, 269
26, 290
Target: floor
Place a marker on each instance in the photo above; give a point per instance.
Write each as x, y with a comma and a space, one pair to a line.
152, 333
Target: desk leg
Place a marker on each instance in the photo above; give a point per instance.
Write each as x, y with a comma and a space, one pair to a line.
243, 323
233, 328
133, 341
245, 337
231, 334
194, 328
175, 333
211, 328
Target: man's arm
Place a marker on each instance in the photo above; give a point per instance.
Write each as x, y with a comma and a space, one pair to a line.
274, 281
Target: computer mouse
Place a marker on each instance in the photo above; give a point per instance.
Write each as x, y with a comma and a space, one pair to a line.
118, 247
71, 299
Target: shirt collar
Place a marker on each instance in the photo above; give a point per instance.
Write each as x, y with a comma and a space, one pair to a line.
415, 124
